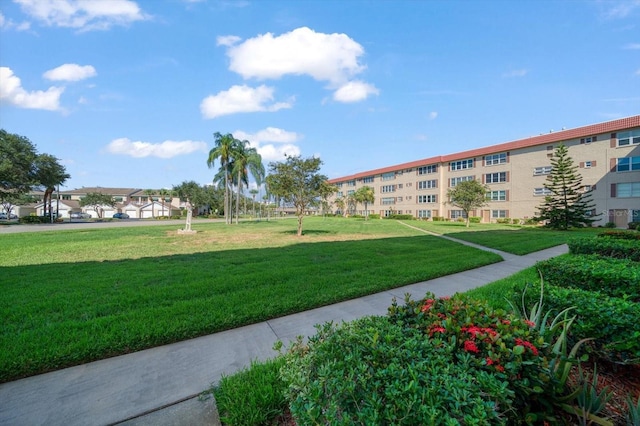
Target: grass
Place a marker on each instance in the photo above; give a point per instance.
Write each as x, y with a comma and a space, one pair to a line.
70, 297
513, 239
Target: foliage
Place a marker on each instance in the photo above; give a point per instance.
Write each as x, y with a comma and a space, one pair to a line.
610, 247
613, 277
298, 181
17, 164
623, 235
96, 200
49, 174
633, 411
374, 371
400, 217
223, 150
468, 196
634, 225
474, 219
568, 205
34, 219
610, 225
246, 160
366, 196
613, 323
253, 396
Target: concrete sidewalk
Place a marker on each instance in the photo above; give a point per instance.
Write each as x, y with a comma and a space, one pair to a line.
160, 386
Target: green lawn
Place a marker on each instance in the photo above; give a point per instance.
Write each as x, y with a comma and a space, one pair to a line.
514, 239
70, 297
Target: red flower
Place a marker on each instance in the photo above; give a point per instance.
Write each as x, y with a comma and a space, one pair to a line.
489, 361
500, 368
470, 346
436, 329
530, 323
527, 345
427, 305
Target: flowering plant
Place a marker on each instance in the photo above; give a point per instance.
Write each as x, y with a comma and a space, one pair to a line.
495, 341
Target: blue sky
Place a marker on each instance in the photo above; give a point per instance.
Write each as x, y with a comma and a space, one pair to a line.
129, 93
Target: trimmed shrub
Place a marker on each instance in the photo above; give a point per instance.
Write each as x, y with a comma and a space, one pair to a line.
634, 225
474, 219
613, 277
503, 220
401, 217
613, 323
374, 216
610, 247
622, 235
34, 219
438, 218
609, 225
375, 372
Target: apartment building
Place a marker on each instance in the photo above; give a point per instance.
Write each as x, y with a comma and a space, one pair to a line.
607, 154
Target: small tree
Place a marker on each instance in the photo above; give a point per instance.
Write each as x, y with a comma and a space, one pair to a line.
468, 195
567, 205
365, 195
340, 204
95, 200
298, 181
194, 196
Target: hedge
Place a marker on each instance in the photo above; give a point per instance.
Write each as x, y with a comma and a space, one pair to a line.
613, 277
610, 247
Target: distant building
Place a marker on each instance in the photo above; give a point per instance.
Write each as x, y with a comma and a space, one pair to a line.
608, 156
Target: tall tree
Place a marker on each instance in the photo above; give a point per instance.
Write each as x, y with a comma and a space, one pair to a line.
150, 193
298, 181
49, 174
365, 195
164, 193
246, 160
96, 200
17, 164
567, 205
341, 205
253, 193
468, 196
193, 195
223, 150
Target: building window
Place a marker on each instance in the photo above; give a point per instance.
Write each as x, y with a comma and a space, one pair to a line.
422, 199
388, 200
368, 179
497, 195
387, 188
492, 160
351, 192
388, 176
627, 190
627, 164
498, 214
462, 164
425, 170
495, 177
454, 181
456, 214
629, 138
340, 194
351, 183
426, 184
541, 191
424, 214
589, 139
545, 170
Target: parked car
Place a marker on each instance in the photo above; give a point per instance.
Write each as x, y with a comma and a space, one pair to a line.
80, 215
3, 216
121, 216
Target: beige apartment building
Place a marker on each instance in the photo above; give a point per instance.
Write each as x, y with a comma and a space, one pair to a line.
607, 154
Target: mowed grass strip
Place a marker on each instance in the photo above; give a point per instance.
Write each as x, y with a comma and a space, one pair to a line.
515, 239
85, 295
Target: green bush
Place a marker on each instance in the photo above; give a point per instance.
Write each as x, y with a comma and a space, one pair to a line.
253, 396
609, 225
613, 323
613, 277
503, 220
610, 247
474, 219
401, 217
634, 225
438, 219
374, 216
34, 219
375, 372
620, 234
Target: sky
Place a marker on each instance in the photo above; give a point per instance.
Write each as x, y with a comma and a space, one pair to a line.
129, 93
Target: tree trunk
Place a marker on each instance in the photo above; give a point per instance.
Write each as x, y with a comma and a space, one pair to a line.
238, 198
300, 224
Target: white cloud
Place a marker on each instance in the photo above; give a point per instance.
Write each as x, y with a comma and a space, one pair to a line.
516, 73
229, 40
70, 72
632, 46
433, 115
11, 91
638, 71
354, 91
9, 24
620, 9
84, 15
166, 149
270, 151
240, 99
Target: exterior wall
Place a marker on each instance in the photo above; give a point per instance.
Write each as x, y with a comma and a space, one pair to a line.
524, 165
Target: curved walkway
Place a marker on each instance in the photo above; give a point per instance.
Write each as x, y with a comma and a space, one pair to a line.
160, 386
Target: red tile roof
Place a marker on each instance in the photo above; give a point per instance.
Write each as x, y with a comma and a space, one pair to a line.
563, 135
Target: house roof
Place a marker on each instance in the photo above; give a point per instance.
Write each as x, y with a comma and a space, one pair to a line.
552, 137
109, 191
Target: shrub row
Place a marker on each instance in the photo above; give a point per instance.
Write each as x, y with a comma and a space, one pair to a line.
622, 235
610, 276
431, 361
634, 225
610, 247
401, 217
613, 322
35, 219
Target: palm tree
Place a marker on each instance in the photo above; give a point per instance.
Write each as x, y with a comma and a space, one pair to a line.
253, 193
149, 193
225, 146
164, 193
49, 174
341, 204
365, 195
246, 160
